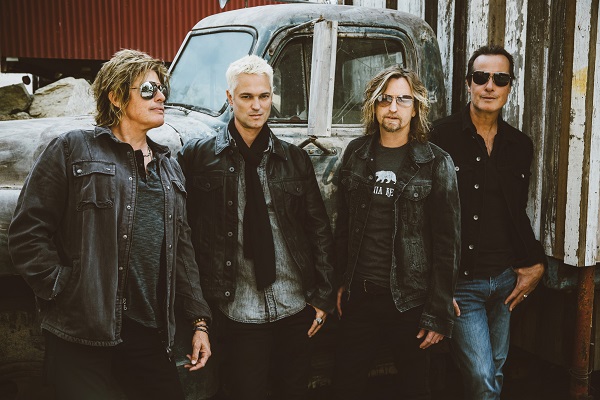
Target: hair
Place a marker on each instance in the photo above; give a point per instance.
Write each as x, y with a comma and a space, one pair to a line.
419, 124
492, 49
117, 76
247, 65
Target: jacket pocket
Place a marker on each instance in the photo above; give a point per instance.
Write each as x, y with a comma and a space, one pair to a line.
294, 195
413, 206
94, 183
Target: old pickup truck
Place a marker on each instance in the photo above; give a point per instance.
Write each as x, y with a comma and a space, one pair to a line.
322, 56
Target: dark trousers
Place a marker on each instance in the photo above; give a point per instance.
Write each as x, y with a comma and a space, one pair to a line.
368, 321
274, 355
140, 366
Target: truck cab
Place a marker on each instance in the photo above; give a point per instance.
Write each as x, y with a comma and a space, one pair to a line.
322, 57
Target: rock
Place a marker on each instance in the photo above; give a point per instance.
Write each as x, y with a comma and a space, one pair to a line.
19, 115
14, 98
66, 97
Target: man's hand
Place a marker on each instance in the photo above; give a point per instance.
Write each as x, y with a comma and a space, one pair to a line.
431, 338
200, 351
527, 280
320, 317
456, 308
340, 292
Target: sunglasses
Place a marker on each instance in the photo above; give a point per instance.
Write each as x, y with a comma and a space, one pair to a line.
500, 78
402, 101
148, 90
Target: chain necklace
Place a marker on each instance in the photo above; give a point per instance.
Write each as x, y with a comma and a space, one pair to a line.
149, 151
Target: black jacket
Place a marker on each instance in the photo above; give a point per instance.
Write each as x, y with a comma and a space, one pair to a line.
457, 135
427, 227
212, 169
71, 234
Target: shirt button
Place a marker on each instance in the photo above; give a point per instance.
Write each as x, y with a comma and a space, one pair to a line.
371, 177
227, 294
231, 169
207, 185
170, 246
357, 230
363, 205
415, 194
457, 168
120, 268
522, 175
124, 236
466, 273
168, 187
298, 189
476, 186
230, 234
230, 203
478, 158
228, 263
475, 217
471, 247
128, 207
131, 178
79, 171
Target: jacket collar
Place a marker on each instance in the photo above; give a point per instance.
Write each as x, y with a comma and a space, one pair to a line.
158, 149
419, 152
224, 140
469, 128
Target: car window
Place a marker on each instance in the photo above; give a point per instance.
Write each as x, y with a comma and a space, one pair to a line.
198, 77
357, 61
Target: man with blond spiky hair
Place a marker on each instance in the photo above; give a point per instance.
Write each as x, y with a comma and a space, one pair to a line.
263, 242
397, 239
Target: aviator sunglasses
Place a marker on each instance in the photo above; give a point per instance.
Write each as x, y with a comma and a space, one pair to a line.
404, 100
148, 90
500, 78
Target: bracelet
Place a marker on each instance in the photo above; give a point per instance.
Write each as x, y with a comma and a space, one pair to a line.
201, 328
198, 320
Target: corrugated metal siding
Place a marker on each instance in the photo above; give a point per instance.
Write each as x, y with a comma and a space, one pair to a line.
96, 29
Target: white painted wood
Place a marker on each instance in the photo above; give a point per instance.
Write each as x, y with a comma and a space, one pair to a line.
477, 30
320, 107
592, 254
514, 42
575, 170
370, 3
414, 7
445, 37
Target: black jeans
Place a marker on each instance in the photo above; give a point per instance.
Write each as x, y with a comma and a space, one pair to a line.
140, 366
370, 320
271, 356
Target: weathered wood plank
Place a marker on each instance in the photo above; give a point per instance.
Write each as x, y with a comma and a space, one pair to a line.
370, 3
514, 42
445, 37
322, 78
577, 196
414, 7
478, 17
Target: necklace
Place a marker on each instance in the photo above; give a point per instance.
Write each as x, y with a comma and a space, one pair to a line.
149, 151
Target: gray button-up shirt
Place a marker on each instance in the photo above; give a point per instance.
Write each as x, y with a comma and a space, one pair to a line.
285, 296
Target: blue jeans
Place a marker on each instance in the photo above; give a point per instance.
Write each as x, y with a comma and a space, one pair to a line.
480, 339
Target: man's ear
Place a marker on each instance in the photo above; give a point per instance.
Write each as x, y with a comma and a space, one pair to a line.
468, 86
113, 100
229, 98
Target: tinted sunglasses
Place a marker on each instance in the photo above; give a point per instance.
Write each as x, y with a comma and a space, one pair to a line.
500, 78
148, 90
402, 101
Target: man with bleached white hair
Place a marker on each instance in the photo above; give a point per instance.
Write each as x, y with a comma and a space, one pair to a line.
263, 242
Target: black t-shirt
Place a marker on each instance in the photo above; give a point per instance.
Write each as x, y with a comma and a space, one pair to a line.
375, 254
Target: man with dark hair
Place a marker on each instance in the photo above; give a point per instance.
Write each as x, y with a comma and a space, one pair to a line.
502, 262
263, 242
397, 238
100, 234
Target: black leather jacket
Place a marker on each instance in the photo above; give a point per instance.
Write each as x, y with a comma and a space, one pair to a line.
212, 168
71, 234
457, 135
427, 230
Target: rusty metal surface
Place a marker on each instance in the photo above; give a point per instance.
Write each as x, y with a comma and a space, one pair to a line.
96, 29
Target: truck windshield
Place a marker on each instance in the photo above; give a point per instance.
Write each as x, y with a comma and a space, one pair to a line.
198, 77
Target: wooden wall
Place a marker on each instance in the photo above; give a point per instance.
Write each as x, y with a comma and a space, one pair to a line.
554, 44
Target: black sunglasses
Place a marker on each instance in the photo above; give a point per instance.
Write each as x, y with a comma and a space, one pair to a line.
500, 78
404, 100
148, 90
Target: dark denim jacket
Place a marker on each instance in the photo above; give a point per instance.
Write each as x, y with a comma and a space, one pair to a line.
71, 234
457, 135
427, 227
212, 168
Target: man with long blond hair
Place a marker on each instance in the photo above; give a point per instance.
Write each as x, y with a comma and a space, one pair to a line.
397, 237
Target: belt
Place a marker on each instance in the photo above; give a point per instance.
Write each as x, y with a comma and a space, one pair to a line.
373, 288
